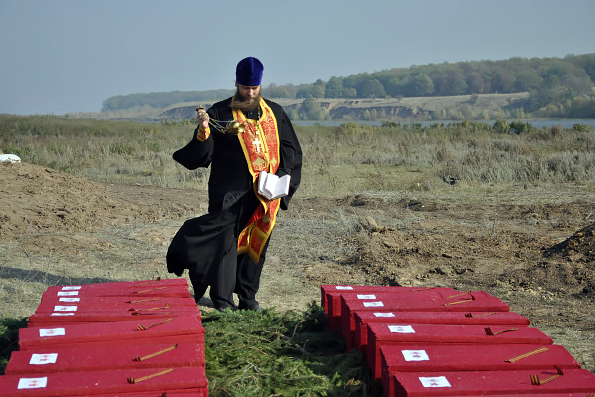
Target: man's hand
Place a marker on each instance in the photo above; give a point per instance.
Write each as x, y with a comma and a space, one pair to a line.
202, 117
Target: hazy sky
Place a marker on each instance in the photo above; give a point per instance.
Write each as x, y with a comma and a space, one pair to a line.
59, 56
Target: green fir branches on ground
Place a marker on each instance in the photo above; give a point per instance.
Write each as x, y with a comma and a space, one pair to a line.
9, 335
273, 354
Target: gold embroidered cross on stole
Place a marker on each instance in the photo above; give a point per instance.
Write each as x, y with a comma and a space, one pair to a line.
258, 143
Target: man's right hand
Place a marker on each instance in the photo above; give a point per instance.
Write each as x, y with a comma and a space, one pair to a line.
202, 117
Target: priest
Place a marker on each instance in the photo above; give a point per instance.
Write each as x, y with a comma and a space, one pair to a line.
226, 248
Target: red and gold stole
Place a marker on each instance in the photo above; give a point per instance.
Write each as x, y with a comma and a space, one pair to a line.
260, 143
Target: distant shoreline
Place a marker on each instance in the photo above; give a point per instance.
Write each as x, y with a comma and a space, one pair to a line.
538, 123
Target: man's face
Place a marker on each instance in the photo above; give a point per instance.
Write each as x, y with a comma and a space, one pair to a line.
248, 92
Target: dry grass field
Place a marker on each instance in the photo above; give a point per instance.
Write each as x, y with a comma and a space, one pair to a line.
462, 207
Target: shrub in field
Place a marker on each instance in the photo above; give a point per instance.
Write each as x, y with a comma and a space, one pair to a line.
501, 126
518, 127
582, 127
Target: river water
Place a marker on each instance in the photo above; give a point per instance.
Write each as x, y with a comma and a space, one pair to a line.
539, 123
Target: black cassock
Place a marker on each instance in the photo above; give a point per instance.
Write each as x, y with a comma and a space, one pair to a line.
207, 245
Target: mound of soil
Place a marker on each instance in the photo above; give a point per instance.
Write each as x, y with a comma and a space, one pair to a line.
34, 199
37, 198
395, 257
579, 247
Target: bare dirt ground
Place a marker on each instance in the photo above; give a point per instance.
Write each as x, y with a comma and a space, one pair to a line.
536, 250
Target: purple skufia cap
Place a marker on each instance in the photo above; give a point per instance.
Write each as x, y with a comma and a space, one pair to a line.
249, 72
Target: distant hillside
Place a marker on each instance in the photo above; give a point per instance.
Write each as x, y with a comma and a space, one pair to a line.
489, 106
161, 99
557, 87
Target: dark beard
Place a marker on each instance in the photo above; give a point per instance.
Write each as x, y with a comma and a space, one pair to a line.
243, 104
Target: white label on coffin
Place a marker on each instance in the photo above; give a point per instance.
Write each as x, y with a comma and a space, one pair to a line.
384, 314
71, 288
415, 355
68, 308
366, 297
52, 332
32, 383
434, 381
373, 304
69, 299
43, 359
401, 329
68, 293
344, 287
61, 314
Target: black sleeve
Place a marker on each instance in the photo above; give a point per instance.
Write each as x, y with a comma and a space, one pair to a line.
196, 153
291, 157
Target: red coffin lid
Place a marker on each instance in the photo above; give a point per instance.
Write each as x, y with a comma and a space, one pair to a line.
165, 339
391, 334
179, 282
536, 394
464, 383
109, 302
453, 333
128, 356
402, 294
438, 301
76, 317
132, 291
334, 298
470, 357
362, 318
116, 332
479, 301
64, 384
337, 303
194, 392
325, 290
479, 318
475, 357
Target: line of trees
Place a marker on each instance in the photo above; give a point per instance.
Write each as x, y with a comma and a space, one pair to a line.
552, 82
575, 73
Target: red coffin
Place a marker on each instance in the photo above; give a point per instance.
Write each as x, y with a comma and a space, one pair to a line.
442, 301
106, 303
118, 285
107, 289
144, 330
200, 392
335, 305
104, 382
128, 356
428, 334
470, 357
325, 290
66, 315
468, 383
362, 318
536, 394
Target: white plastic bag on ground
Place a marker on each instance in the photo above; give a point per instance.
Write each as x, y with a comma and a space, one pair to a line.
9, 158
